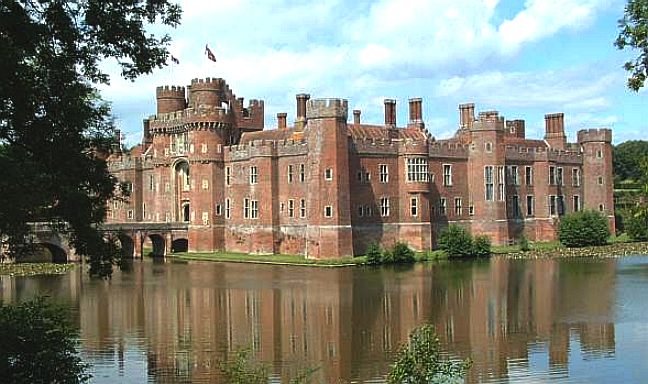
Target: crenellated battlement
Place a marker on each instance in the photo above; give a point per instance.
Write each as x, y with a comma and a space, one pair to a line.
327, 108
207, 84
170, 91
449, 149
522, 153
595, 135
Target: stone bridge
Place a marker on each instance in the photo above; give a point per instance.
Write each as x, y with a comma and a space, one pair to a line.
136, 240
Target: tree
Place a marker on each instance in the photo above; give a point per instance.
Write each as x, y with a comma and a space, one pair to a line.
38, 345
374, 254
481, 246
634, 34
420, 361
626, 159
54, 128
584, 228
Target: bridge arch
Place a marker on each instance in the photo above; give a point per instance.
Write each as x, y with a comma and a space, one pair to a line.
180, 245
59, 254
159, 246
127, 246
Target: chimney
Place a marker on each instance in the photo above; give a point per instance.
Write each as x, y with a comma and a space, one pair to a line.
356, 116
555, 130
147, 138
416, 112
466, 115
390, 113
116, 146
300, 121
281, 120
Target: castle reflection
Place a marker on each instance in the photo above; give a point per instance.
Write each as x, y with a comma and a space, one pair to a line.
348, 322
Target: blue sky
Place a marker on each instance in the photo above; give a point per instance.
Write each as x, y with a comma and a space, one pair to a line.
523, 59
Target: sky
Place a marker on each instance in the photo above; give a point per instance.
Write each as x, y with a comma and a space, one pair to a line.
521, 58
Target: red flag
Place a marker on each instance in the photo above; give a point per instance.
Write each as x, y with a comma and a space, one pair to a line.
210, 54
175, 60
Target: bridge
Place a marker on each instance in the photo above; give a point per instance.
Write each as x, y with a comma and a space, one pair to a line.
134, 239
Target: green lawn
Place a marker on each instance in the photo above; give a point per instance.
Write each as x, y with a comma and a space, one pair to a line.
266, 259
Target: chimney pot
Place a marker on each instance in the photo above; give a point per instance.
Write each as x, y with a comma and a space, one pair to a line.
390, 113
356, 116
281, 120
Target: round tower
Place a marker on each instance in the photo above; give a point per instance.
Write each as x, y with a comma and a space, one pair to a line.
170, 99
205, 92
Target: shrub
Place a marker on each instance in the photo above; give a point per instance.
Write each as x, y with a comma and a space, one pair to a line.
637, 225
584, 228
38, 345
481, 246
242, 370
402, 253
524, 244
456, 241
374, 254
420, 361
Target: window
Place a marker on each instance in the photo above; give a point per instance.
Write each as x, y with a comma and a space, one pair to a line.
458, 209
501, 184
302, 173
328, 211
559, 177
552, 205
368, 210
205, 184
488, 182
151, 183
255, 209
363, 176
328, 174
291, 208
254, 175
302, 208
167, 187
599, 154
515, 206
246, 208
528, 175
144, 211
205, 218
577, 203
384, 173
513, 173
601, 207
360, 210
290, 173
203, 148
552, 175
414, 206
442, 206
417, 169
130, 214
447, 174
600, 180
228, 212
560, 201
228, 175
219, 210
488, 146
530, 205
471, 210
576, 177
384, 206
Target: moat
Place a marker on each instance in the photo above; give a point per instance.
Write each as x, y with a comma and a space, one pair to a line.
559, 320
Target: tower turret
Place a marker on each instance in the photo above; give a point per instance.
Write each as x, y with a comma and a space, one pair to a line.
170, 99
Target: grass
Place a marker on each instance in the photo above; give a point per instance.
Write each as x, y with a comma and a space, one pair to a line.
266, 259
535, 246
29, 269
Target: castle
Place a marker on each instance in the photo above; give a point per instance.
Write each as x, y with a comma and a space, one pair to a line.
327, 187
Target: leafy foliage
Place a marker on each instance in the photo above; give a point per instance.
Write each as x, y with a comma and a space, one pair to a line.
420, 361
634, 34
524, 244
241, 370
402, 253
584, 228
38, 345
54, 129
481, 246
627, 159
374, 254
456, 241
637, 224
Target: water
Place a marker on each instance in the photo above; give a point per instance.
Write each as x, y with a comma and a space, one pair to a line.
530, 321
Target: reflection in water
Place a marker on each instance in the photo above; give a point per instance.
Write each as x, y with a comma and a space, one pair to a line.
175, 322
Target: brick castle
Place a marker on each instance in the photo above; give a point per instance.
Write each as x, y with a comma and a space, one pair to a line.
327, 187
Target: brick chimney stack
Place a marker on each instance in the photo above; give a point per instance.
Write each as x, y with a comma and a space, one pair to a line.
555, 130
356, 116
466, 115
300, 121
281, 120
416, 112
390, 113
147, 138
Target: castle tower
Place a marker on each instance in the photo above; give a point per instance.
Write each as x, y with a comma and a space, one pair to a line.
486, 174
597, 175
329, 226
170, 99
